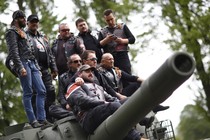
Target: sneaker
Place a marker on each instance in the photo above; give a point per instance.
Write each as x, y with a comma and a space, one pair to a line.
45, 123
36, 124
27, 126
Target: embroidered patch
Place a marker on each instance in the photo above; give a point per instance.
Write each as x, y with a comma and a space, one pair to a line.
71, 89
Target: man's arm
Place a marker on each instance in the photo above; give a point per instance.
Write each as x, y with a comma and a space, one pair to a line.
12, 44
129, 35
80, 47
62, 91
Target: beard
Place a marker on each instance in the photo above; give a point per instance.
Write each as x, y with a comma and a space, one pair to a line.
88, 79
21, 24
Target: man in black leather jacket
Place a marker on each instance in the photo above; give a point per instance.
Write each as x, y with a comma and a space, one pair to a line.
74, 62
22, 57
116, 76
65, 45
92, 105
45, 60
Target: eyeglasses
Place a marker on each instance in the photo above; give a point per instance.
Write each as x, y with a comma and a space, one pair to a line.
77, 61
93, 59
65, 30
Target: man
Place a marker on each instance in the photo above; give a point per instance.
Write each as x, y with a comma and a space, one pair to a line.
89, 58
90, 41
65, 45
93, 105
115, 77
74, 62
45, 59
26, 67
114, 38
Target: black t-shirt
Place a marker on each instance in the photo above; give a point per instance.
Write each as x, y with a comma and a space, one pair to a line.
41, 54
61, 60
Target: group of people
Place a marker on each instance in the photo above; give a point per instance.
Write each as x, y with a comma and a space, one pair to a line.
94, 73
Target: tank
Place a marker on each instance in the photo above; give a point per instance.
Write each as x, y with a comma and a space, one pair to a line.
153, 91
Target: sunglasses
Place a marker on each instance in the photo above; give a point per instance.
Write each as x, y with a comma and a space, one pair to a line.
65, 30
77, 61
93, 59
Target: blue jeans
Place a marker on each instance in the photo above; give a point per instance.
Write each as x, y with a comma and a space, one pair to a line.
33, 77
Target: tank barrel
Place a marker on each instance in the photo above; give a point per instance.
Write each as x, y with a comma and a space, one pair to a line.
153, 91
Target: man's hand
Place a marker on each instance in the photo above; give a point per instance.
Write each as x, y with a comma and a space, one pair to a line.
54, 74
140, 80
121, 41
107, 39
79, 81
120, 96
118, 71
23, 72
68, 107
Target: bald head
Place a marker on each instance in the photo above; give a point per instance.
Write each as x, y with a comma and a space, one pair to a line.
106, 55
107, 60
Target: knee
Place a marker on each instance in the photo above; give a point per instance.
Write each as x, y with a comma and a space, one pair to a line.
115, 105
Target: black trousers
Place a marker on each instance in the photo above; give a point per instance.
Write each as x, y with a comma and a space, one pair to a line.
131, 88
122, 61
98, 114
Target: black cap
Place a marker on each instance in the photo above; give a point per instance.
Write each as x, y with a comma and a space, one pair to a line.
85, 67
32, 17
18, 14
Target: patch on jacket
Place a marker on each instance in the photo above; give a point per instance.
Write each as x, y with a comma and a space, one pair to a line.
71, 89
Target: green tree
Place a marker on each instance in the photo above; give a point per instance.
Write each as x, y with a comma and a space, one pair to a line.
10, 91
122, 8
195, 122
188, 21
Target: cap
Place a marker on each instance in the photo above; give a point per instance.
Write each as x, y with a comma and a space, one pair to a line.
85, 67
32, 17
18, 14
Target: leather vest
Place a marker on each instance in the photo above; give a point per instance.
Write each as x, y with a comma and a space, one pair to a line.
112, 78
72, 45
113, 46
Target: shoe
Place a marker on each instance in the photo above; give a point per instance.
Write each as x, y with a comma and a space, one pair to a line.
36, 124
147, 122
27, 126
160, 108
45, 123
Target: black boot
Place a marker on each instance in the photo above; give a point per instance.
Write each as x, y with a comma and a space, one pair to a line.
147, 122
159, 108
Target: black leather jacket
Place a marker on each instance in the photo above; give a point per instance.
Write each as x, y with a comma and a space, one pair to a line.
64, 80
86, 97
72, 45
91, 43
48, 54
20, 47
116, 82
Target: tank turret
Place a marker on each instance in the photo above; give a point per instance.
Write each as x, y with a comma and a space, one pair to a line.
153, 91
